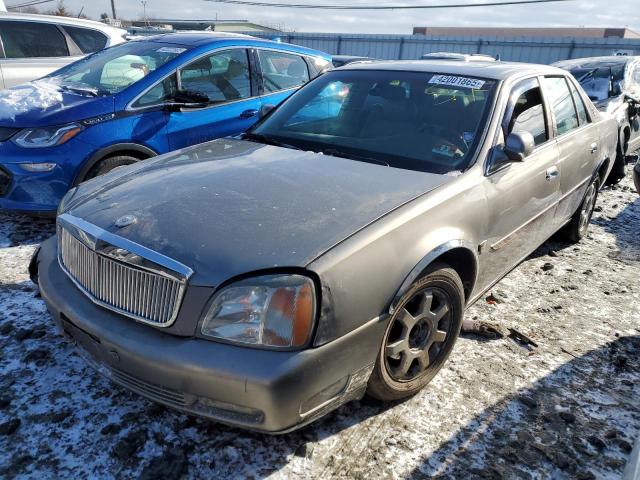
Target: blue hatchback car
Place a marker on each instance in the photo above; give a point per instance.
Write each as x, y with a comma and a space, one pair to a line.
134, 101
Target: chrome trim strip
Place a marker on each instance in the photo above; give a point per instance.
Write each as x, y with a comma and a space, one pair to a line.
92, 235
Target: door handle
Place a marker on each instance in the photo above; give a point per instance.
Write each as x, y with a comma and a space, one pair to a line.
249, 113
552, 173
594, 147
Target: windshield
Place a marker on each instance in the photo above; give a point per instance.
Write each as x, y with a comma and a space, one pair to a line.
412, 120
597, 81
114, 69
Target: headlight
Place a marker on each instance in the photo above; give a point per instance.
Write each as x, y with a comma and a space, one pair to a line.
272, 311
46, 136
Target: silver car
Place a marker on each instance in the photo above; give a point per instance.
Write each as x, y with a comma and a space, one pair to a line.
32, 46
333, 250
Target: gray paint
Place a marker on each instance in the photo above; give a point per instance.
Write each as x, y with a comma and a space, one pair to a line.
230, 207
208, 206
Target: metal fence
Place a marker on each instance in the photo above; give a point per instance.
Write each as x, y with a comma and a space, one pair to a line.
404, 47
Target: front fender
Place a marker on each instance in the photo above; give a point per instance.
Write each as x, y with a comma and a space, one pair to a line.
418, 270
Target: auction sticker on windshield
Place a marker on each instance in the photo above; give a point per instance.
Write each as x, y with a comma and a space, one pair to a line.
177, 50
451, 80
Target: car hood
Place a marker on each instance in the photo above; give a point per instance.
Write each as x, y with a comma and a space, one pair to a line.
230, 207
43, 103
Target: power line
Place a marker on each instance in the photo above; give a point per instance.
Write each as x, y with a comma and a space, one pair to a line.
31, 3
383, 7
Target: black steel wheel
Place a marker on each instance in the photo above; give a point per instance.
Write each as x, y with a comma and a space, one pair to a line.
420, 335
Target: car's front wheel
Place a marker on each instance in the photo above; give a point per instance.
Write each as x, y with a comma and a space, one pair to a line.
108, 164
420, 335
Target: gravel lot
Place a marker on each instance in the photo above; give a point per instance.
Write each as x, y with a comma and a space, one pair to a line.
569, 408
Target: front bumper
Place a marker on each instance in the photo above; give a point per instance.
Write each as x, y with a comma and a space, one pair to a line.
636, 176
38, 192
257, 389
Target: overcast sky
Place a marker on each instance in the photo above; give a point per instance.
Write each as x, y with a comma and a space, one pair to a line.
590, 13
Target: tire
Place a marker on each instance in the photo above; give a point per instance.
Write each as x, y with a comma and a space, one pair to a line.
618, 171
108, 164
578, 226
420, 336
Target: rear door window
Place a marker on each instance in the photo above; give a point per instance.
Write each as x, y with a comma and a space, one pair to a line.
32, 40
577, 98
281, 71
561, 103
88, 40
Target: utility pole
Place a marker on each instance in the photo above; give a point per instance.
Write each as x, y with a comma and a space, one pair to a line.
144, 11
113, 9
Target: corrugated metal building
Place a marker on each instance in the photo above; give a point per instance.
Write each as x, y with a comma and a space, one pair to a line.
520, 49
529, 32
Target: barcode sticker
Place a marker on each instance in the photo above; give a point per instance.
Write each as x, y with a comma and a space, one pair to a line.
454, 81
177, 50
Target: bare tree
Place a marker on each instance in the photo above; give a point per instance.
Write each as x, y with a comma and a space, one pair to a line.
61, 10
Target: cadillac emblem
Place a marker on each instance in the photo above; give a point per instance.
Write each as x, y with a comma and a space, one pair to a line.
125, 221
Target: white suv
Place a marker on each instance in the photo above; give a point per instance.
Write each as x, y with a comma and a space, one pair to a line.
32, 46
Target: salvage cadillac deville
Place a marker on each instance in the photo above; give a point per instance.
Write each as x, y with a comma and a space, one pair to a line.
332, 251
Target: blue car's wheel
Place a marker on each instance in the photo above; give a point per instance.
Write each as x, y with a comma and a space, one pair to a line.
108, 164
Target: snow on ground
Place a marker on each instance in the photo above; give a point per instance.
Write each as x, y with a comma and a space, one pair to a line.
569, 408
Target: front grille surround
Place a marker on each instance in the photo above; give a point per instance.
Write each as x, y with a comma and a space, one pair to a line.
109, 270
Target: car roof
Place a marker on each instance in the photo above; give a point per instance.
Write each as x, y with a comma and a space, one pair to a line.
197, 39
593, 62
493, 69
194, 38
79, 22
350, 57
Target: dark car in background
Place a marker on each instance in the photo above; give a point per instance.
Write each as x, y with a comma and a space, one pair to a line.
332, 251
613, 85
342, 60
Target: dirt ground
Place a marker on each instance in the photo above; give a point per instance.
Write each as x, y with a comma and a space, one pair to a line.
569, 408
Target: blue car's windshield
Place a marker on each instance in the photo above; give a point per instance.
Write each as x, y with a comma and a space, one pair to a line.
114, 69
413, 120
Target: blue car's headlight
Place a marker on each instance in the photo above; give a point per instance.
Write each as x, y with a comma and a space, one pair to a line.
40, 137
272, 311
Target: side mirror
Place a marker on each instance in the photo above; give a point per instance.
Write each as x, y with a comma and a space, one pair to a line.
180, 106
187, 99
265, 110
519, 146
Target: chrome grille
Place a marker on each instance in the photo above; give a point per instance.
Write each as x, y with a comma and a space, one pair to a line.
146, 296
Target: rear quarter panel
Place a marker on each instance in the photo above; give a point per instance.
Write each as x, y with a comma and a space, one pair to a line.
608, 133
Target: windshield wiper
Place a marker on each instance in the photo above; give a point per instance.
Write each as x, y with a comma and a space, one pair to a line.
94, 92
352, 156
258, 137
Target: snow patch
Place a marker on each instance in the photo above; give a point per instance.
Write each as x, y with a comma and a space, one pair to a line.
40, 94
